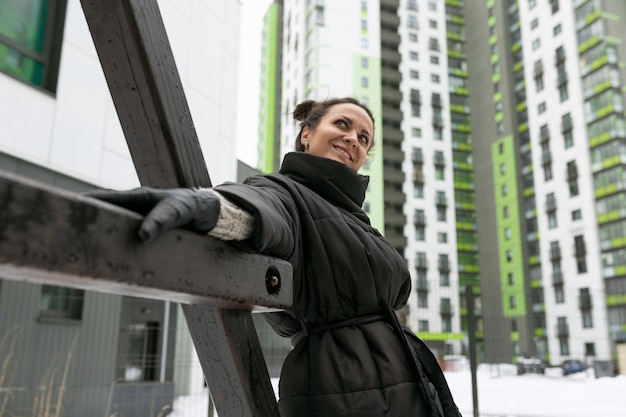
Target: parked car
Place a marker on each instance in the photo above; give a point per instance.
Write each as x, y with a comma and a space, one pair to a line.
572, 366
530, 366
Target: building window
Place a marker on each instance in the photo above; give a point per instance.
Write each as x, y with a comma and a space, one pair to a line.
31, 33
547, 172
364, 82
509, 255
504, 190
420, 233
505, 212
412, 37
61, 303
552, 222
559, 295
433, 44
509, 278
554, 4
364, 43
532, 4
587, 319
432, 24
422, 325
441, 214
422, 299
413, 56
416, 132
539, 84
412, 22
434, 60
534, 23
507, 233
439, 173
442, 237
576, 215
432, 5
418, 191
541, 108
590, 349
319, 15
563, 93
444, 279
556, 30
536, 44
414, 74
364, 62
434, 78
512, 302
364, 6
364, 24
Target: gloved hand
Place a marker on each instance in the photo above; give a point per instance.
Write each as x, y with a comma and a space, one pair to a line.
196, 210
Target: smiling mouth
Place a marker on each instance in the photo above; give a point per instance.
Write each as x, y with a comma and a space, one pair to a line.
343, 152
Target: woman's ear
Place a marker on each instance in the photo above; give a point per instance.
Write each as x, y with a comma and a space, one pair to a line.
305, 134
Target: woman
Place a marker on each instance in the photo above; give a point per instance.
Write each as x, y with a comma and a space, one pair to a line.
350, 357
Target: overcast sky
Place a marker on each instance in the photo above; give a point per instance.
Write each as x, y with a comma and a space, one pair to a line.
252, 12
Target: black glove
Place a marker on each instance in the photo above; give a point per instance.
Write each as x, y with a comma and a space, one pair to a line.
166, 209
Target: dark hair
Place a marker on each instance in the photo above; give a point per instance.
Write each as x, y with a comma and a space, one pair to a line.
310, 112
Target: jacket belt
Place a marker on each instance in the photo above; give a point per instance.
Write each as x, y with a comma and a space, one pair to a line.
355, 321
427, 388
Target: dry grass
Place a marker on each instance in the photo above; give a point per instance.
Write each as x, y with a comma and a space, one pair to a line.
45, 404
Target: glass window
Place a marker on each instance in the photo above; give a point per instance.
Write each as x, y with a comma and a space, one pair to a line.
61, 303
30, 40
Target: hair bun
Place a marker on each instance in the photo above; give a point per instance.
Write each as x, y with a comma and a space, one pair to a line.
303, 109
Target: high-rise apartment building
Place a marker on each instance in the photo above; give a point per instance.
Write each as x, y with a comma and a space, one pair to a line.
548, 127
499, 163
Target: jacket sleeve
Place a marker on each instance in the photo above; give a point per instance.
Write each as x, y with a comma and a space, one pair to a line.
274, 212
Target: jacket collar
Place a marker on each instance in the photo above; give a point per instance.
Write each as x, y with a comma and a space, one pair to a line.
334, 181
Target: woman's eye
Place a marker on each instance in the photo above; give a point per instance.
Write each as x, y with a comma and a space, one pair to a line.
364, 139
341, 123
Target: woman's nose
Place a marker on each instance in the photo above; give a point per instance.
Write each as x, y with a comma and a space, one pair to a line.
350, 138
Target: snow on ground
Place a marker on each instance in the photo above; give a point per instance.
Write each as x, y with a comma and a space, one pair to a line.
532, 395
502, 393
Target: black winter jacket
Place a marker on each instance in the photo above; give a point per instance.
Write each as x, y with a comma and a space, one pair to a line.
347, 359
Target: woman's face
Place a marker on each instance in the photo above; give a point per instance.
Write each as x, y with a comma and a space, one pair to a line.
344, 134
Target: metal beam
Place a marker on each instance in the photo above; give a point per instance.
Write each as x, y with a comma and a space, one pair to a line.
141, 73
55, 237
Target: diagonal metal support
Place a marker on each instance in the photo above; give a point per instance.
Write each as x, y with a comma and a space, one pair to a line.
139, 67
